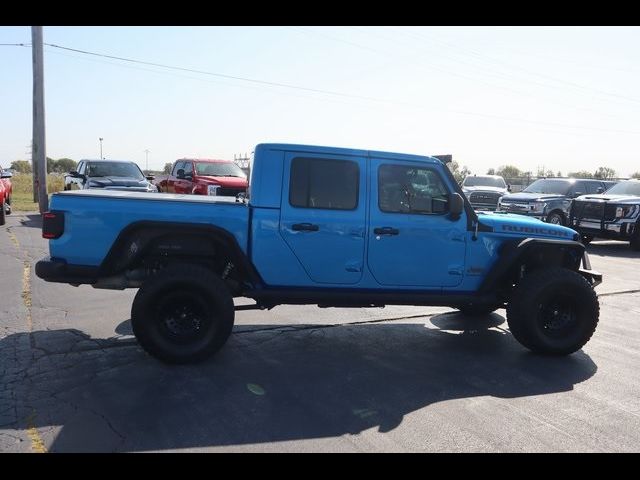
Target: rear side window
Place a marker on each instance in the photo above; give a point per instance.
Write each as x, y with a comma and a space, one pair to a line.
323, 183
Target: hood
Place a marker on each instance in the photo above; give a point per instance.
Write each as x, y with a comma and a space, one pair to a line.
530, 197
603, 197
104, 182
524, 226
484, 189
230, 182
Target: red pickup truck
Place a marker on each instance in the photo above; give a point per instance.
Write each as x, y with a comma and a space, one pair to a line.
5, 194
204, 177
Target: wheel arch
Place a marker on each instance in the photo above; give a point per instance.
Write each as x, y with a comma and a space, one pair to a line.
531, 253
169, 240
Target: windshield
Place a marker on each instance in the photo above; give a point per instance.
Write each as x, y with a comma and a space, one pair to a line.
625, 188
476, 181
549, 186
220, 169
114, 169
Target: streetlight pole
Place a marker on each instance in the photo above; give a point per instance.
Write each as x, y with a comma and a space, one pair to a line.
147, 159
101, 157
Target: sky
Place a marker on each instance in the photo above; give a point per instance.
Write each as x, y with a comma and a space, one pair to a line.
559, 98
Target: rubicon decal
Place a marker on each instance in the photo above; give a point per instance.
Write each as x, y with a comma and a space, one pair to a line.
538, 230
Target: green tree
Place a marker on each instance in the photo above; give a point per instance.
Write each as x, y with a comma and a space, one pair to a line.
636, 175
605, 173
167, 168
21, 166
64, 165
509, 171
491, 171
559, 174
457, 173
580, 174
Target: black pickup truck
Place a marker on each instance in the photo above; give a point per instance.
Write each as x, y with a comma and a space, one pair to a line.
614, 215
549, 199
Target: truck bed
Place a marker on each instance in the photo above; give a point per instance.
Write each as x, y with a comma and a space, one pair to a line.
93, 219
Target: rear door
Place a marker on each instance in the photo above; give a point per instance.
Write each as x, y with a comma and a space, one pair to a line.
322, 215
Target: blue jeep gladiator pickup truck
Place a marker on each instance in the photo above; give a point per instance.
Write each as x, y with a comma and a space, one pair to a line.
325, 226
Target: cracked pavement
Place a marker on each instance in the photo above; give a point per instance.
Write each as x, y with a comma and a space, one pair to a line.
300, 378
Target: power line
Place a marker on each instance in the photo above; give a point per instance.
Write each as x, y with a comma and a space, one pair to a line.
222, 75
341, 94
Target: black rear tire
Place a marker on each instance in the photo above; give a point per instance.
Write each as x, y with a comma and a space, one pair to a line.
184, 314
3, 219
553, 311
478, 310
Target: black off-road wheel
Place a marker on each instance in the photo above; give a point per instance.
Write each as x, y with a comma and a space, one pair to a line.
3, 219
478, 310
184, 314
553, 311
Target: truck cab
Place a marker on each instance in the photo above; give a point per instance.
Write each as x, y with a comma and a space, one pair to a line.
205, 177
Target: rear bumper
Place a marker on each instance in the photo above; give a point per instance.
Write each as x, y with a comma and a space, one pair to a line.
53, 270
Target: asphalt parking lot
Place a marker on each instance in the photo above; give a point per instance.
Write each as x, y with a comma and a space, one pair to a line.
72, 377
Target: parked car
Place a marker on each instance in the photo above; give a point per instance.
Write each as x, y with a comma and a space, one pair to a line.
6, 189
324, 226
108, 175
222, 178
484, 191
549, 199
614, 214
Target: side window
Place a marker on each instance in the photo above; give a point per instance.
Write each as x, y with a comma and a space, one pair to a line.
407, 189
320, 183
592, 187
188, 168
177, 167
80, 168
579, 188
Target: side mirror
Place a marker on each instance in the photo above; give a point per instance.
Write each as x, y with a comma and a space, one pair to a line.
150, 177
456, 206
576, 194
508, 188
600, 190
6, 174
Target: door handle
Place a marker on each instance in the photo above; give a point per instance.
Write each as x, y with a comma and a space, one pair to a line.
386, 231
304, 227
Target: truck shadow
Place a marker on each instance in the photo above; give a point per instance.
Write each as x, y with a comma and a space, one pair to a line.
270, 383
610, 248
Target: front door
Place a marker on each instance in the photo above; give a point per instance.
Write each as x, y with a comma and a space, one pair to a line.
412, 240
322, 216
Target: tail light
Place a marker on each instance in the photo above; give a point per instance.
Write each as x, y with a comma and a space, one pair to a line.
52, 225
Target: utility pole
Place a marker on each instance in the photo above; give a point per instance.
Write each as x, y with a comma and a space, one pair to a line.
147, 159
101, 157
39, 153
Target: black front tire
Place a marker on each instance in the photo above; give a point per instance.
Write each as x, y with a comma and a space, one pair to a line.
7, 205
184, 314
556, 218
553, 311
